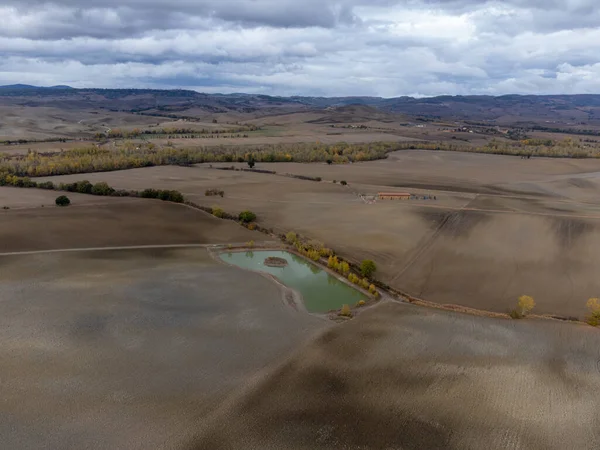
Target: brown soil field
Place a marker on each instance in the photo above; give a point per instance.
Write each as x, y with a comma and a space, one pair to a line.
24, 122
405, 377
111, 222
41, 147
130, 349
500, 227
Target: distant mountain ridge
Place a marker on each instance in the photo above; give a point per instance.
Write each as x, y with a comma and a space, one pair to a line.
569, 109
17, 87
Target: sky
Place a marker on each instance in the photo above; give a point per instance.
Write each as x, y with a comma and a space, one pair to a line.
328, 48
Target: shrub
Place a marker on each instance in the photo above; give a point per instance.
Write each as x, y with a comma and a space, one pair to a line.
361, 303
368, 268
218, 212
515, 314
149, 193
83, 187
252, 226
69, 187
250, 244
291, 237
315, 245
171, 196
102, 188
345, 311
177, 197
63, 200
325, 252
247, 216
214, 192
167, 196
163, 195
343, 183
46, 185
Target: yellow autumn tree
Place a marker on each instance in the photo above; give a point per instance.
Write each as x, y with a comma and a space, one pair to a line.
345, 268
525, 304
345, 311
593, 318
291, 237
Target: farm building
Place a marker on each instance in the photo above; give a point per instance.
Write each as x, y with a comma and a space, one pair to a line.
394, 196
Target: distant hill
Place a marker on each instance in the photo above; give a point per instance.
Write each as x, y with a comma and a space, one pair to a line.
16, 87
508, 109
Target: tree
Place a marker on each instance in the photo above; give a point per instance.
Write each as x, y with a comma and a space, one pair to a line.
593, 305
368, 268
345, 268
525, 304
63, 200
329, 161
291, 237
247, 216
251, 161
343, 183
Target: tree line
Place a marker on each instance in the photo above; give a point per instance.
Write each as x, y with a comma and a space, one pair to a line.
85, 187
137, 132
131, 155
565, 148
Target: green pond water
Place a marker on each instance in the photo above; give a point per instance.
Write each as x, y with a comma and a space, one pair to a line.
320, 291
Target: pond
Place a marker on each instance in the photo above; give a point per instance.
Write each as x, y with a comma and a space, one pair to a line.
320, 291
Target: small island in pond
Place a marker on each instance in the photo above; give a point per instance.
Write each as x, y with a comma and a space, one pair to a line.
273, 261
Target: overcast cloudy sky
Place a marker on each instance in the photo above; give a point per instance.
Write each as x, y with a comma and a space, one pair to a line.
306, 47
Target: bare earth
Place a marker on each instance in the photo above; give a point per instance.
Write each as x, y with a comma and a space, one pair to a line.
500, 227
93, 221
405, 377
166, 348
130, 349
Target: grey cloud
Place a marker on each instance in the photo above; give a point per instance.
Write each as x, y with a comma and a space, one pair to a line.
72, 18
315, 47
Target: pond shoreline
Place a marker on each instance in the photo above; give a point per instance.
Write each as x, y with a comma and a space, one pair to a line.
321, 293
